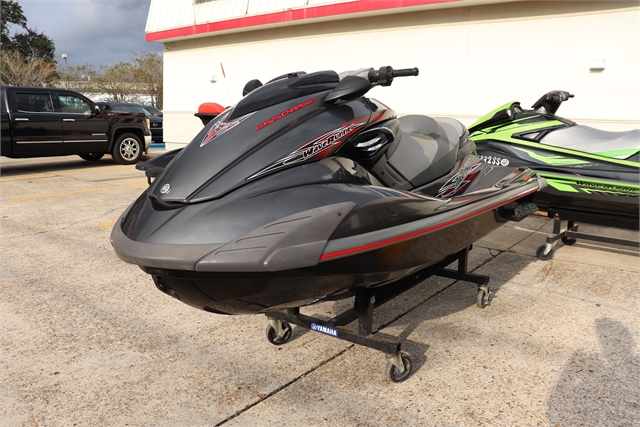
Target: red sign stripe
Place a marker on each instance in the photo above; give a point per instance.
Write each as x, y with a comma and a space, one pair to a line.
356, 6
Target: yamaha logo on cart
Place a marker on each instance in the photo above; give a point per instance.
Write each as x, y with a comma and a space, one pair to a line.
165, 189
324, 330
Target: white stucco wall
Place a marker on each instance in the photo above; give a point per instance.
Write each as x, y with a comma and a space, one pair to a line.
471, 60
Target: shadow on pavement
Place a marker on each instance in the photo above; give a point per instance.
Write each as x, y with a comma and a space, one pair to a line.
599, 389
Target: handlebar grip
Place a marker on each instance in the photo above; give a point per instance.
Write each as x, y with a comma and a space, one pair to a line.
407, 72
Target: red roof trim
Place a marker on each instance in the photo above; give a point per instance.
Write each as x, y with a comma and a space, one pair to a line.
356, 6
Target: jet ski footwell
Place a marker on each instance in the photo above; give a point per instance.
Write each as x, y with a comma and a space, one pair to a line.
366, 301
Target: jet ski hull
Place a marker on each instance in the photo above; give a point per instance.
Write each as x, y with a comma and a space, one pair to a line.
598, 190
592, 174
257, 292
243, 283
605, 203
307, 191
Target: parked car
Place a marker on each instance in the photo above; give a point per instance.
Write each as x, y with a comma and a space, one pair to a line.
153, 110
38, 122
156, 120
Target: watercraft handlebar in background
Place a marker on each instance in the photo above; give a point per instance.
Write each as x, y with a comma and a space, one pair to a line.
550, 101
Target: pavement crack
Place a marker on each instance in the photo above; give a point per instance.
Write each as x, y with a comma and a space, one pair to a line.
283, 387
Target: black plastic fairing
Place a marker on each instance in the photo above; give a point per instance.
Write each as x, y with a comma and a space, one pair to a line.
306, 186
300, 130
351, 87
502, 116
284, 90
251, 86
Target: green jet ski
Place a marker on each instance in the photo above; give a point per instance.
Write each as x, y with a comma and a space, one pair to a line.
593, 175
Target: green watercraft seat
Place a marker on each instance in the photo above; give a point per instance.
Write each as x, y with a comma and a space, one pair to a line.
426, 148
618, 145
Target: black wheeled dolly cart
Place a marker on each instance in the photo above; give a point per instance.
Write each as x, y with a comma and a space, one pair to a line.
366, 301
569, 234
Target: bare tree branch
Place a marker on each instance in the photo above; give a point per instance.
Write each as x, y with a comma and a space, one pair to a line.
15, 70
148, 72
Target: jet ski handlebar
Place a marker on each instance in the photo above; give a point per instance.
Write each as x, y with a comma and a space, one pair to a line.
559, 96
550, 101
385, 75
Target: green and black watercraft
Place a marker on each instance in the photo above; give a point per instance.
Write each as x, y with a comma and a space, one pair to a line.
593, 175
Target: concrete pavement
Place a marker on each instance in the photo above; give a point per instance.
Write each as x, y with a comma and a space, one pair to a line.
87, 339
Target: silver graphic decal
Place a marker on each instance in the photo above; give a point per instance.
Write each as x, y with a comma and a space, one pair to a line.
221, 127
459, 181
313, 148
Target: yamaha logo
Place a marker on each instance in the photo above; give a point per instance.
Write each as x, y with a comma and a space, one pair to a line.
165, 189
324, 329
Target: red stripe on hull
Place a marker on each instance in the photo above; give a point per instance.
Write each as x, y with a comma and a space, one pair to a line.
363, 248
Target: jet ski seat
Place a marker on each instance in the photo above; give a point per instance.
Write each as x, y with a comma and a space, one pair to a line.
618, 145
425, 149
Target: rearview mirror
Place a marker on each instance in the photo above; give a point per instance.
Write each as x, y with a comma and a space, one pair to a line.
351, 87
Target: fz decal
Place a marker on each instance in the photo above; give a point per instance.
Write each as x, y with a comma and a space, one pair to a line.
221, 127
314, 149
459, 181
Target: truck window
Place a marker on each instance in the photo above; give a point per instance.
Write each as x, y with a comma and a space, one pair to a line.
73, 104
33, 102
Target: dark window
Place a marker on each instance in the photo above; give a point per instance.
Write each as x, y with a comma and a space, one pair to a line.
34, 103
73, 104
152, 110
131, 109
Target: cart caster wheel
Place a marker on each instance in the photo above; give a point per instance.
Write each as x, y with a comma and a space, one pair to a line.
273, 338
483, 298
542, 256
568, 240
394, 373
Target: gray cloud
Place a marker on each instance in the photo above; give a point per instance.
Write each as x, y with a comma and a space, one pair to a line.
96, 32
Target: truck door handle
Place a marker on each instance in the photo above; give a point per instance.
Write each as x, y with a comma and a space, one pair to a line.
21, 119
68, 120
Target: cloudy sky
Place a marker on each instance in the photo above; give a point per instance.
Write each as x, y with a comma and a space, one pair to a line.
96, 32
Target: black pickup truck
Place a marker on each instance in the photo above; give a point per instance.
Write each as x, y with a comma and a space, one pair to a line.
39, 122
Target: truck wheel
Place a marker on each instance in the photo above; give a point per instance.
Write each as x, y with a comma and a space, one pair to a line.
128, 149
92, 157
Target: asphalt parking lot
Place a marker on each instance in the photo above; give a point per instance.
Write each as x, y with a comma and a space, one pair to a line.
87, 339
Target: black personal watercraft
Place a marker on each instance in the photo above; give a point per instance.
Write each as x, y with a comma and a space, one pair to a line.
307, 191
593, 175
